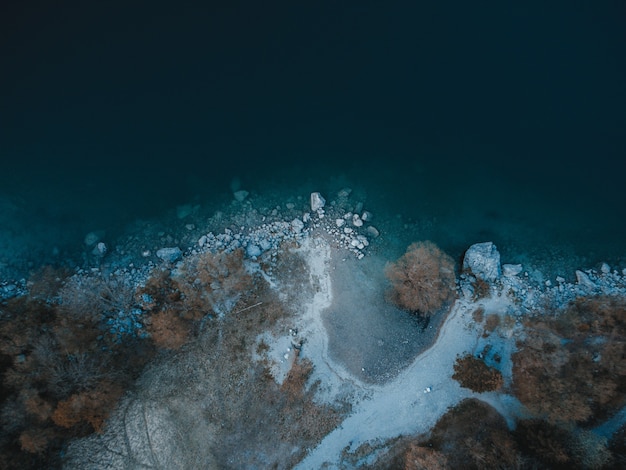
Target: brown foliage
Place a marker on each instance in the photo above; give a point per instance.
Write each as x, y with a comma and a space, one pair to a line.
481, 288
46, 282
22, 320
35, 440
91, 407
474, 374
213, 282
35, 405
571, 367
473, 435
294, 384
58, 358
544, 440
419, 457
491, 323
168, 330
422, 280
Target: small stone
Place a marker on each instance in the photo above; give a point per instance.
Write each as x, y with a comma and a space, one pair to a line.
317, 202
347, 230
253, 250
290, 205
560, 279
340, 222
510, 270
297, 225
345, 192
366, 216
605, 268
356, 221
190, 227
169, 254
202, 240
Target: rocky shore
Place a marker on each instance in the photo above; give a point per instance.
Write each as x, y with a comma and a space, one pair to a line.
322, 257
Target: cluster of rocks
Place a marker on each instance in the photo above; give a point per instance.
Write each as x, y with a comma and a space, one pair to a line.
348, 225
482, 262
260, 231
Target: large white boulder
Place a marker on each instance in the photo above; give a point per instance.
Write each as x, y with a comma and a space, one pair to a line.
483, 260
317, 202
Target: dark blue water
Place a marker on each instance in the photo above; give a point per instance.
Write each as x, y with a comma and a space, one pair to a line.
477, 121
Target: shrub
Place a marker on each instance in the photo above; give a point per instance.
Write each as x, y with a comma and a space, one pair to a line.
89, 407
424, 458
422, 280
474, 435
168, 330
570, 367
474, 374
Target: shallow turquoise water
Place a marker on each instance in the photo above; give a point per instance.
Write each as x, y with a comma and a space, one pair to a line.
499, 122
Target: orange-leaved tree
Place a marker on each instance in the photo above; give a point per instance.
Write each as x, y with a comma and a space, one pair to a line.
422, 280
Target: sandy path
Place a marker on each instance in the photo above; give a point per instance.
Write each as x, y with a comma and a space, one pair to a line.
412, 402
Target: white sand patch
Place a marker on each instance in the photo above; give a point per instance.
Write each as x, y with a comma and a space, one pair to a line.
333, 377
414, 401
407, 405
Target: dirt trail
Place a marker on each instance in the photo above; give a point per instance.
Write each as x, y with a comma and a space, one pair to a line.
413, 401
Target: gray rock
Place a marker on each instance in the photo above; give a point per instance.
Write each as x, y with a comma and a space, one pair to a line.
605, 268
511, 270
317, 202
297, 225
253, 250
483, 260
583, 280
265, 244
169, 254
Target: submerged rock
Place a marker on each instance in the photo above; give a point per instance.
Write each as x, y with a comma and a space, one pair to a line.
169, 254
241, 195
